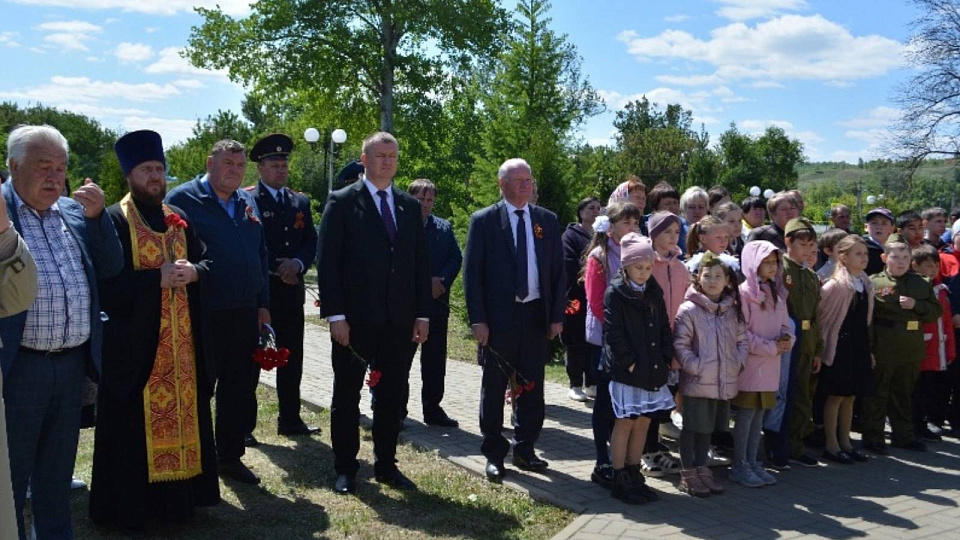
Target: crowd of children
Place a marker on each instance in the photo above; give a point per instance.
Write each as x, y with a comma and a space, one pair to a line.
711, 328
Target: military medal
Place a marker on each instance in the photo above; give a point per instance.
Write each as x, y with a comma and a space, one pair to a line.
298, 222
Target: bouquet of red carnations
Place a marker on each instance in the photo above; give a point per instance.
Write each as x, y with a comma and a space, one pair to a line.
268, 355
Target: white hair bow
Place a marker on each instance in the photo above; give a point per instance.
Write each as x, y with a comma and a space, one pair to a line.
601, 224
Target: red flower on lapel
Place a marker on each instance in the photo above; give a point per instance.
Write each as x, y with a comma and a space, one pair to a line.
299, 222
251, 216
175, 221
538, 231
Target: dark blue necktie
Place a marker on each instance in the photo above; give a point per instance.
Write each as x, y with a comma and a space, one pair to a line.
387, 216
523, 288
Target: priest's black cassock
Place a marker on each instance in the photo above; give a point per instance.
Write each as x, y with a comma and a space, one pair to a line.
121, 493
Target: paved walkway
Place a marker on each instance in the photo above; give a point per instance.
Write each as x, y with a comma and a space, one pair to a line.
901, 496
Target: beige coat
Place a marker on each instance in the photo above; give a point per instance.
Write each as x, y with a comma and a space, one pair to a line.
18, 289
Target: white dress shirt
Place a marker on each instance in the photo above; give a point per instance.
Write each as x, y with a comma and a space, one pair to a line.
533, 276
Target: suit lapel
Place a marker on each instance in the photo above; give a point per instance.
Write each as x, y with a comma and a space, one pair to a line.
506, 229
74, 220
369, 210
399, 215
11, 206
537, 242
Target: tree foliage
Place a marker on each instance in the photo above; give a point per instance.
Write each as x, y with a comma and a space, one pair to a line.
348, 52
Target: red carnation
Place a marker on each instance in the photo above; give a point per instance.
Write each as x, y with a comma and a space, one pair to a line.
374, 378
573, 307
174, 220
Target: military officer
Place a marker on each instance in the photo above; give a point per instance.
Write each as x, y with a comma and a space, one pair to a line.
904, 302
291, 247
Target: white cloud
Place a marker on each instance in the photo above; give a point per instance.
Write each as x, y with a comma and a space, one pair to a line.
188, 83
689, 80
766, 84
876, 117
69, 35
676, 18
743, 10
699, 102
171, 130
759, 126
62, 90
111, 20
133, 52
170, 62
9, 39
168, 7
151, 29
783, 48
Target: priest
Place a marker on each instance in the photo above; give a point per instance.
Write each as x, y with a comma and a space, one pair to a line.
154, 454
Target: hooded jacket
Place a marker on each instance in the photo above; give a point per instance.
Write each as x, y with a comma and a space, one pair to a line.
938, 335
766, 318
636, 333
711, 344
595, 282
674, 278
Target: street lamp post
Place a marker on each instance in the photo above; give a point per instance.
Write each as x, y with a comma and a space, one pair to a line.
338, 137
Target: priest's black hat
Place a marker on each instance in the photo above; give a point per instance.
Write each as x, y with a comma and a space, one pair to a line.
138, 146
276, 145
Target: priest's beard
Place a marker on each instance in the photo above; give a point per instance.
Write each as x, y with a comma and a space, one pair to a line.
144, 196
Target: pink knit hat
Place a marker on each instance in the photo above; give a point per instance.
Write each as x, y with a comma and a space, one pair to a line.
635, 248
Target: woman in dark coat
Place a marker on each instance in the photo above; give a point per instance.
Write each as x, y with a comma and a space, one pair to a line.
581, 357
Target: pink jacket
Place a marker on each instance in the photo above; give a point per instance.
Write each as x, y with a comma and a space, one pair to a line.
711, 344
674, 278
595, 282
765, 321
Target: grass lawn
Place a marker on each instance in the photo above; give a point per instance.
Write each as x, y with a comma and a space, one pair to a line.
296, 500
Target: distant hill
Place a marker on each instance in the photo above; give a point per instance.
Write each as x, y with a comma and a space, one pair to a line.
812, 174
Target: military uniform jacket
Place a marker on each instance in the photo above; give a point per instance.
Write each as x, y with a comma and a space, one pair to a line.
898, 332
803, 298
289, 234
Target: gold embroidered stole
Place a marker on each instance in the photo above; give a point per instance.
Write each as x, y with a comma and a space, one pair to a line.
170, 397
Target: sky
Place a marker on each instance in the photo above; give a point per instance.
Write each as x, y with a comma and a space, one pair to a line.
825, 71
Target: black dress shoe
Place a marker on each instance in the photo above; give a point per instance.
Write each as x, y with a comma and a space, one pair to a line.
878, 448
929, 435
602, 475
441, 421
857, 455
495, 471
914, 446
840, 457
302, 429
397, 480
345, 484
532, 463
239, 472
250, 441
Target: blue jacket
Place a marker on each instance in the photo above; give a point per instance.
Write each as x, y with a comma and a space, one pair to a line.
445, 260
102, 257
489, 268
237, 247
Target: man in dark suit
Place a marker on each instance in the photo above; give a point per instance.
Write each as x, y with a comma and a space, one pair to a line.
445, 262
291, 248
513, 277
374, 273
48, 348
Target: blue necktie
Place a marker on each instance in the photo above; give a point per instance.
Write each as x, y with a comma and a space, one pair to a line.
387, 216
523, 288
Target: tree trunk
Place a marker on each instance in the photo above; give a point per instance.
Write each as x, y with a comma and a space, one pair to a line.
386, 71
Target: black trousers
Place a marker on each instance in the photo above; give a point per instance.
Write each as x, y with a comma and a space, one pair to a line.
433, 367
926, 396
288, 322
390, 350
521, 349
236, 335
946, 402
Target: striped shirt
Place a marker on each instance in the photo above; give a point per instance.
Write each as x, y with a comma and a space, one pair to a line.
60, 316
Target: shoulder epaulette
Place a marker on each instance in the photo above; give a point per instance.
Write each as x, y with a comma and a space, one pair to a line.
250, 188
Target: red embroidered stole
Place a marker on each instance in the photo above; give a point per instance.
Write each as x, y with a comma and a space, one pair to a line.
170, 397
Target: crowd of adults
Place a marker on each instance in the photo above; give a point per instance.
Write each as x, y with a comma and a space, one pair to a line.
163, 299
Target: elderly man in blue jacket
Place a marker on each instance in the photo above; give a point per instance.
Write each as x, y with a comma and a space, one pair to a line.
48, 348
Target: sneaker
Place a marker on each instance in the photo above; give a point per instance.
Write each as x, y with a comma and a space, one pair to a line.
715, 459
935, 429
778, 466
677, 419
805, 460
576, 394
590, 391
928, 434
602, 475
650, 467
670, 431
744, 475
762, 473
667, 463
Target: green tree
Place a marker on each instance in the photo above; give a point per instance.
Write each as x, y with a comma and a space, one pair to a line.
768, 161
659, 145
189, 158
348, 51
532, 106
